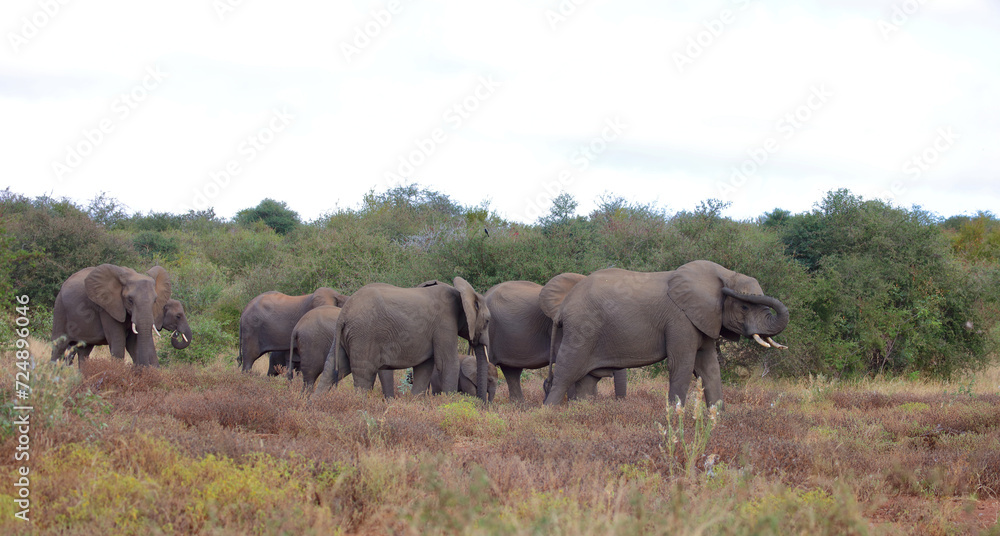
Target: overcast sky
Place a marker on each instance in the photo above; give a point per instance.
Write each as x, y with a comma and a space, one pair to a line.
171, 106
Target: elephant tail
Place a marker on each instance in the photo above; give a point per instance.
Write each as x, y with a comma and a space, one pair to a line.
555, 342
291, 354
239, 351
331, 369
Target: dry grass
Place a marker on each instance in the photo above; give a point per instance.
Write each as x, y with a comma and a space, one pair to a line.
197, 450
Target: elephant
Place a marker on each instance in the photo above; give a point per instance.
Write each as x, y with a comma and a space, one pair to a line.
174, 320
467, 378
616, 318
387, 327
310, 342
267, 321
104, 305
520, 333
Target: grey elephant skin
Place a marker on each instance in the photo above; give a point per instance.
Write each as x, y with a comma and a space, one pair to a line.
311, 340
620, 319
387, 327
467, 378
104, 305
520, 332
267, 322
174, 321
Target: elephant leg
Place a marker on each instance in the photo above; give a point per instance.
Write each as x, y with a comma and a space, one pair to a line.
130, 340
364, 377
681, 355
387, 379
512, 375
59, 348
585, 388
446, 360
114, 333
83, 352
278, 357
422, 377
621, 382
706, 367
569, 367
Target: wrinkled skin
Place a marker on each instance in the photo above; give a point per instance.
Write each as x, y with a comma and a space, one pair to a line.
103, 305
311, 340
467, 378
520, 333
620, 319
267, 322
384, 327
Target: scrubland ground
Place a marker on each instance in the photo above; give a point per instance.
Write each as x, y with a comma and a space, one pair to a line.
207, 450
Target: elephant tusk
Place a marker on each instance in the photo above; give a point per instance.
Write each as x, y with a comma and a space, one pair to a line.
156, 332
776, 345
133, 329
760, 341
185, 337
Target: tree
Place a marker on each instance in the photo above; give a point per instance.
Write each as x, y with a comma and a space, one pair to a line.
274, 214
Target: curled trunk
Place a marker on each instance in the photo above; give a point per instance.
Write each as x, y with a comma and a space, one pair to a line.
775, 322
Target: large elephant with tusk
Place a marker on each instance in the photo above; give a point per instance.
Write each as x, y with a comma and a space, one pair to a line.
111, 305
621, 319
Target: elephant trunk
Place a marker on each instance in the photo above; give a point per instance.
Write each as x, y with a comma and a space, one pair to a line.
773, 323
181, 338
482, 372
145, 349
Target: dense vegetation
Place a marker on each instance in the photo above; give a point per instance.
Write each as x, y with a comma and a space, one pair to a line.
872, 288
875, 428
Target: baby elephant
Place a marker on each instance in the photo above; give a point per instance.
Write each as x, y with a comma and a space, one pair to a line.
311, 340
467, 378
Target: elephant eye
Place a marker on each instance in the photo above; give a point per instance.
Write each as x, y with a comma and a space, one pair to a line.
744, 307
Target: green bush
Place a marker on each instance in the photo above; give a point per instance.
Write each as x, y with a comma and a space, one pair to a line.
870, 287
209, 339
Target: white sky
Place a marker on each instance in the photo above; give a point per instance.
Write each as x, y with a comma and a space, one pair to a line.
832, 95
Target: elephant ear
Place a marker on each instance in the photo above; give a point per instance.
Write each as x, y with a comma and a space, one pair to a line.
327, 296
696, 288
104, 286
163, 291
555, 291
473, 306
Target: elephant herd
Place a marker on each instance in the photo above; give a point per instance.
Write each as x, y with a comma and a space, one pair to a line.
583, 328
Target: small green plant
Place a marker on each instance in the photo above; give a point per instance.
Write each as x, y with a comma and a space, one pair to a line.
374, 428
688, 443
464, 418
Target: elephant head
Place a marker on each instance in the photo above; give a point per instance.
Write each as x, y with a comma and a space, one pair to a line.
475, 330
122, 293
175, 320
721, 302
